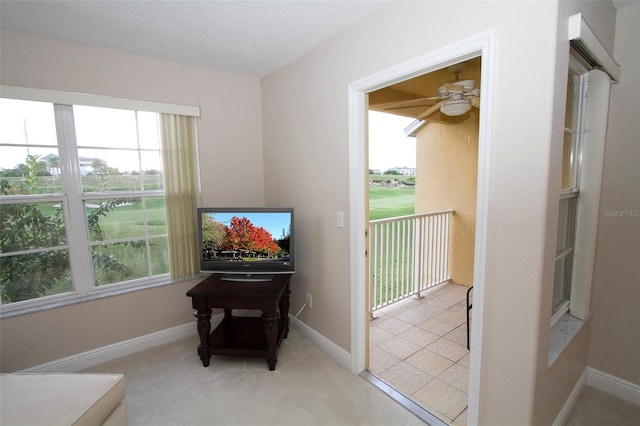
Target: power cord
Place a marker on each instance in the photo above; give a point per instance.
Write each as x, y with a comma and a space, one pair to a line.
295, 317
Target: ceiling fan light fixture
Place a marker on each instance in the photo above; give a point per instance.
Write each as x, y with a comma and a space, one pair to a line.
468, 85
454, 108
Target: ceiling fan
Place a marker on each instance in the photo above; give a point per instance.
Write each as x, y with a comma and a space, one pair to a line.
454, 98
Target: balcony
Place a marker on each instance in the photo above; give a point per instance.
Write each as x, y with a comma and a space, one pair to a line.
422, 266
407, 255
418, 327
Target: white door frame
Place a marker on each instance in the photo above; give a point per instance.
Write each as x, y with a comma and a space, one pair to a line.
483, 45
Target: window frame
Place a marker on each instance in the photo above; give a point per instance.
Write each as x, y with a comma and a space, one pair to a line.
78, 241
577, 103
593, 127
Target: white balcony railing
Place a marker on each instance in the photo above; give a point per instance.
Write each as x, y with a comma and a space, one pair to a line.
407, 255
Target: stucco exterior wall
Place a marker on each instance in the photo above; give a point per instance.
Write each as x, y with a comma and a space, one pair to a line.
446, 178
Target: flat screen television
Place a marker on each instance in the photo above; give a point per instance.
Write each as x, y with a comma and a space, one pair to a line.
246, 242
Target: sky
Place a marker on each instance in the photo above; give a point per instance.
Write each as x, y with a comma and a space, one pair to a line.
28, 127
388, 145
273, 222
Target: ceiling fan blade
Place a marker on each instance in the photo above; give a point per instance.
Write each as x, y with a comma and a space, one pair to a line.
430, 111
407, 107
408, 103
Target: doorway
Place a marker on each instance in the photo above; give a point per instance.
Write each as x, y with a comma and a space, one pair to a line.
421, 264
478, 46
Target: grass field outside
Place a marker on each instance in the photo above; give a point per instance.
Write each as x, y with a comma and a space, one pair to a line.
385, 202
133, 231
392, 268
388, 198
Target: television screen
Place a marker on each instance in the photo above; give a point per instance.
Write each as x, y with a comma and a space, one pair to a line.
246, 240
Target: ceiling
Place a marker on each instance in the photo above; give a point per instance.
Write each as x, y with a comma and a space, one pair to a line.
251, 38
246, 37
390, 99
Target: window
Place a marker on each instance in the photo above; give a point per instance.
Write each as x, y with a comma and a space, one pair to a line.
34, 257
569, 191
120, 172
82, 201
579, 195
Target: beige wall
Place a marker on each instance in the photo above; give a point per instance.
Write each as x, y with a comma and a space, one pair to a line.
446, 178
306, 134
45, 336
614, 346
229, 139
230, 126
305, 110
554, 383
306, 165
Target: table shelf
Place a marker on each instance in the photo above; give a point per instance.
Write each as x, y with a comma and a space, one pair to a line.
243, 336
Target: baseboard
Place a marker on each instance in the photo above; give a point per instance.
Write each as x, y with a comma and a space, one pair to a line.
613, 385
82, 361
602, 381
338, 354
570, 403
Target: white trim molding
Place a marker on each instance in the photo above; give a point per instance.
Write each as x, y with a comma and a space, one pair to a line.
334, 351
602, 381
613, 385
84, 360
572, 400
75, 98
482, 44
591, 48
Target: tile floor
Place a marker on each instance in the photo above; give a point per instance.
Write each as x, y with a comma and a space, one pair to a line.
419, 347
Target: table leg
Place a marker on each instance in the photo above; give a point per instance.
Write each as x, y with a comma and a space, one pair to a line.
271, 331
203, 317
284, 313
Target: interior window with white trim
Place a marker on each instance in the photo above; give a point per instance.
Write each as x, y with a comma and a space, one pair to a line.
82, 203
570, 191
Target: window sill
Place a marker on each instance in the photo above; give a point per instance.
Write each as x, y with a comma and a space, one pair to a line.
94, 296
562, 333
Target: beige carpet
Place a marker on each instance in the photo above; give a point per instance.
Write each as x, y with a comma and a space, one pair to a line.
596, 408
169, 386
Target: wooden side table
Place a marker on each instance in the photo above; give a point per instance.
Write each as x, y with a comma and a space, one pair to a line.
236, 335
